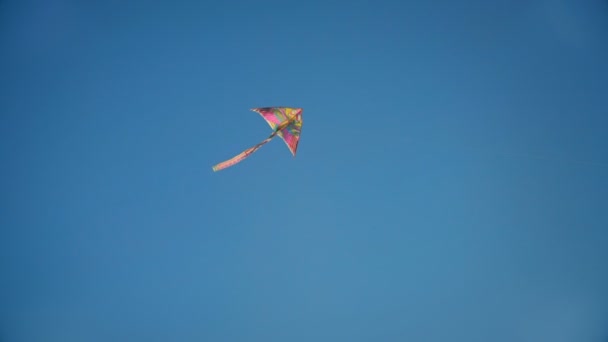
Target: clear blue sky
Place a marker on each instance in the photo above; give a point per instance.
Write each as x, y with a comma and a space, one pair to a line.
450, 184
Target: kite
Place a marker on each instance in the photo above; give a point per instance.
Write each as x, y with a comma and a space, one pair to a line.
286, 123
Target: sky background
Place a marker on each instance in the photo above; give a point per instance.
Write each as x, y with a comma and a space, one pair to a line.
450, 183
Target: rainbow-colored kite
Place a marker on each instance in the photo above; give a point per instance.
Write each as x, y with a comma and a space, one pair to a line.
286, 123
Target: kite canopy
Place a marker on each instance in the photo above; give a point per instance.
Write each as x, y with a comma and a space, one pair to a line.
285, 122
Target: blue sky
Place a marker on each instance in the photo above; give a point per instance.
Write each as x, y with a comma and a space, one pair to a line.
450, 182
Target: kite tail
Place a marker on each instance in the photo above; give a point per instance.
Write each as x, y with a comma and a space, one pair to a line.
239, 157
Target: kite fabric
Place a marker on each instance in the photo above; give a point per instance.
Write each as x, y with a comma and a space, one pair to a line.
286, 123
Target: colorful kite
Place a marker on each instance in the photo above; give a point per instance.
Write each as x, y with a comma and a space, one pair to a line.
285, 122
